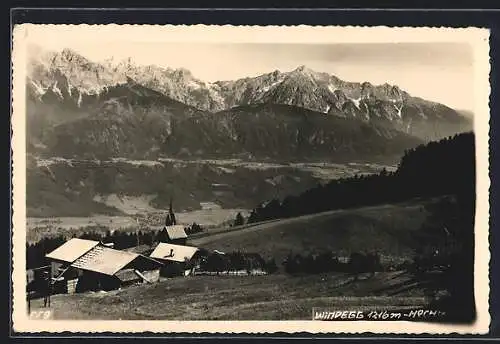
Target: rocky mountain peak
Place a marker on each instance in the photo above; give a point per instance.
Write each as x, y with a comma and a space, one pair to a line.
182, 74
70, 60
303, 69
70, 54
72, 75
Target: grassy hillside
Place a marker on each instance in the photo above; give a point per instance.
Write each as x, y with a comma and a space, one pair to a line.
387, 229
272, 297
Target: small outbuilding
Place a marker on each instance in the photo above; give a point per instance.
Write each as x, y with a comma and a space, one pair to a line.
178, 260
175, 234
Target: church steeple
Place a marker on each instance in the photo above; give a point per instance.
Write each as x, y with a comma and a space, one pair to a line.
170, 220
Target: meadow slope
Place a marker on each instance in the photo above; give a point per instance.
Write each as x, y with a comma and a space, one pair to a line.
272, 297
387, 229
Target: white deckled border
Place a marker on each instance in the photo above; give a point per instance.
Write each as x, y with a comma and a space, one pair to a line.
26, 33
303, 34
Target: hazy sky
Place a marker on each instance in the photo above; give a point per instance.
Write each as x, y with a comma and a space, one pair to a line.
442, 72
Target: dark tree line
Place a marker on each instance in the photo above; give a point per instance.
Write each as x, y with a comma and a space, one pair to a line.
446, 245
328, 262
236, 261
435, 169
446, 242
239, 220
193, 229
35, 253
444, 248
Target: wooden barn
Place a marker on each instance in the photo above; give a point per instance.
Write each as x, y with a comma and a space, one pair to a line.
178, 260
174, 234
67, 253
61, 259
86, 265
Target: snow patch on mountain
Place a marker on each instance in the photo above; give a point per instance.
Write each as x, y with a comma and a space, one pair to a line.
399, 109
57, 91
356, 101
39, 90
268, 87
332, 88
67, 74
194, 85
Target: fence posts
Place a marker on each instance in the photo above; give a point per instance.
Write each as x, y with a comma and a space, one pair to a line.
29, 302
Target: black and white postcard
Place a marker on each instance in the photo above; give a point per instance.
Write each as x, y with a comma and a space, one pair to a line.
250, 179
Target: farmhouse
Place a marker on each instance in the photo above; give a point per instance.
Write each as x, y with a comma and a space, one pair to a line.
174, 234
85, 265
67, 253
177, 259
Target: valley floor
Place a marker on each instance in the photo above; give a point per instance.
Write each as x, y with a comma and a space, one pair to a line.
271, 297
38, 228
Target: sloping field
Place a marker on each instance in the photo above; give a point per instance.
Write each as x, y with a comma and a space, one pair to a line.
387, 229
271, 297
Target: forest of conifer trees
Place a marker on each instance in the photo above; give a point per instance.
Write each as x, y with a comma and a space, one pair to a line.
439, 168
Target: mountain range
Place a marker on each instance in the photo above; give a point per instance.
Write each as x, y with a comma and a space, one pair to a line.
80, 108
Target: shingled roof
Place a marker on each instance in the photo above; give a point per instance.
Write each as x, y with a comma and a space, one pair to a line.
72, 249
176, 232
176, 253
104, 260
92, 256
